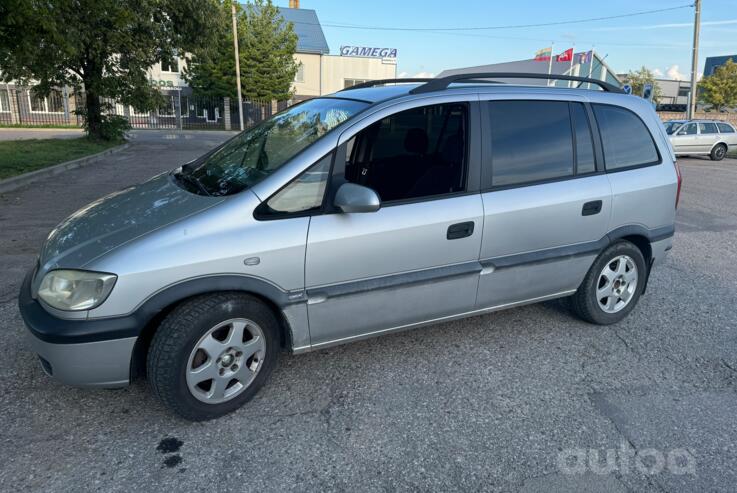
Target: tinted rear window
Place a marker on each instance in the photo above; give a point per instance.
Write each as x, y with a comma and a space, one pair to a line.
725, 129
531, 141
625, 138
584, 143
708, 128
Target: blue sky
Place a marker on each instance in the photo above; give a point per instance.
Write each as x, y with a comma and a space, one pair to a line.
660, 41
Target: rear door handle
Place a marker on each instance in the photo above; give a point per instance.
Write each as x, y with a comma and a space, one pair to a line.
460, 230
591, 208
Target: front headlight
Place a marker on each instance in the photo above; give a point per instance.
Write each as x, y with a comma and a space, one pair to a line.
75, 289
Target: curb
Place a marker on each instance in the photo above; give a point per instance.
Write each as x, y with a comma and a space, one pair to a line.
15, 182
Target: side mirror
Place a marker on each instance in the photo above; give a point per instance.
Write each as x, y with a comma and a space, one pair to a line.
356, 198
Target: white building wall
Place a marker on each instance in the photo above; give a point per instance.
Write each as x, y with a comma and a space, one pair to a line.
336, 69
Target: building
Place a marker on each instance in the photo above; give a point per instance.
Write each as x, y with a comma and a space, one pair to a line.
673, 94
712, 62
322, 73
583, 64
319, 73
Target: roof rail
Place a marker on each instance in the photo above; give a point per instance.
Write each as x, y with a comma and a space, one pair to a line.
443, 82
378, 82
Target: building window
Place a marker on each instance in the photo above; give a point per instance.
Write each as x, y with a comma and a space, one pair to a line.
354, 82
4, 101
53, 103
300, 75
683, 92
170, 65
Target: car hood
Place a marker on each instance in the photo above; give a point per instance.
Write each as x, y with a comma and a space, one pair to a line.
116, 219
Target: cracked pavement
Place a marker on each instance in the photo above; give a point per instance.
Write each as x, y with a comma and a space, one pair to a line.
489, 403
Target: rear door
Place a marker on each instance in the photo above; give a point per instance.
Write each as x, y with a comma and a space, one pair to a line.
686, 139
546, 200
415, 259
708, 136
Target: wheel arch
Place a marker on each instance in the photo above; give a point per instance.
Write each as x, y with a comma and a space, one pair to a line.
156, 308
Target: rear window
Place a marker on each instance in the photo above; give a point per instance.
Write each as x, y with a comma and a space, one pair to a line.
708, 128
725, 128
625, 138
530, 141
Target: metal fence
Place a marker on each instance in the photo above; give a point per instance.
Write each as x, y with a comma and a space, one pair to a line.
19, 106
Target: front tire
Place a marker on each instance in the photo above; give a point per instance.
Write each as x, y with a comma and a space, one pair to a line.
212, 353
613, 285
718, 153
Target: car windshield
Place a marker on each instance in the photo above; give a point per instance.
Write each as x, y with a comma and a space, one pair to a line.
257, 152
670, 127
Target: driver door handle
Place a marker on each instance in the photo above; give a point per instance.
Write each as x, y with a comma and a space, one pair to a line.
460, 230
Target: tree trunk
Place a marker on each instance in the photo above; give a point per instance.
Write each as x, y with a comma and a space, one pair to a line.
93, 114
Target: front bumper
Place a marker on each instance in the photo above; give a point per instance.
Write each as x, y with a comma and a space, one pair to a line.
85, 353
90, 364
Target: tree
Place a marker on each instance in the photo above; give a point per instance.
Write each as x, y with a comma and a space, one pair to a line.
267, 44
720, 88
638, 79
103, 47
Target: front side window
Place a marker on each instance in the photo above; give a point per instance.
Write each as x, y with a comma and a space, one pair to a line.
305, 193
531, 141
257, 152
725, 128
689, 129
624, 137
708, 128
413, 154
671, 127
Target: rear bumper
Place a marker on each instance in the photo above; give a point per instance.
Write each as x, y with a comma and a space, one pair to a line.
660, 249
85, 353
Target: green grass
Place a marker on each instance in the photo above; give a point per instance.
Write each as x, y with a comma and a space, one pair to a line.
44, 125
22, 156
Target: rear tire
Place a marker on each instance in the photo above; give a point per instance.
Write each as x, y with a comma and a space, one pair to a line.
718, 153
613, 285
211, 354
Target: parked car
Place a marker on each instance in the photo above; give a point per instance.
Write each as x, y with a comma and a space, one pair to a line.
373, 210
710, 137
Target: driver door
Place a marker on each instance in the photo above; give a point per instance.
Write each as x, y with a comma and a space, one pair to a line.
416, 258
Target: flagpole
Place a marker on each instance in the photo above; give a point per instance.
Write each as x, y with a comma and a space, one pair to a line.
570, 69
550, 61
591, 65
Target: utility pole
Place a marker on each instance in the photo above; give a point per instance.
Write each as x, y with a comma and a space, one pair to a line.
237, 65
694, 58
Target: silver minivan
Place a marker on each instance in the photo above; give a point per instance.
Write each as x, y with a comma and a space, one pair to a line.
692, 137
381, 208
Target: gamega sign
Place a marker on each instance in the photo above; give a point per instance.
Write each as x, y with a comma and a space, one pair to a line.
368, 51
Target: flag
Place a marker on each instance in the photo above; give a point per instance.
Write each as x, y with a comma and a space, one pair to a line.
566, 56
585, 57
544, 54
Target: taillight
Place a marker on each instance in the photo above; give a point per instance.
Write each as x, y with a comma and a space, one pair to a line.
680, 182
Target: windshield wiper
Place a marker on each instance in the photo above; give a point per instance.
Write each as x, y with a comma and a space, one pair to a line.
187, 178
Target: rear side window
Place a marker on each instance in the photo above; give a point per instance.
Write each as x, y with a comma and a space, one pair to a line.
725, 129
584, 143
708, 128
530, 141
624, 137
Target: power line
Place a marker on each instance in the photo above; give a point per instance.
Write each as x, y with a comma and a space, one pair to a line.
486, 28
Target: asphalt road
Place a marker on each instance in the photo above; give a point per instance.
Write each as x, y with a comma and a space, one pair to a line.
516, 400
